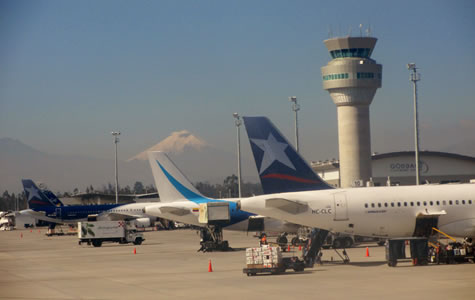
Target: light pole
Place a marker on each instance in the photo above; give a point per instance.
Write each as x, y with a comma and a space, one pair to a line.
295, 108
116, 141
237, 121
415, 77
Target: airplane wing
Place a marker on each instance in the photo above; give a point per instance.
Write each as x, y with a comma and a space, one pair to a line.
290, 206
179, 211
121, 217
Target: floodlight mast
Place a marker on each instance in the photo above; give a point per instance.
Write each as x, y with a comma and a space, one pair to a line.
295, 108
116, 134
415, 77
237, 122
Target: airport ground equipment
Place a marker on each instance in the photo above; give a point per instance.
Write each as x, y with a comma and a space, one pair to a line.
97, 232
269, 259
214, 215
451, 252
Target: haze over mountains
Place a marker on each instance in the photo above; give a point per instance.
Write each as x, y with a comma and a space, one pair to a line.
199, 160
64, 173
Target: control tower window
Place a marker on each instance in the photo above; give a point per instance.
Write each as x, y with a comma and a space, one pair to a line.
353, 52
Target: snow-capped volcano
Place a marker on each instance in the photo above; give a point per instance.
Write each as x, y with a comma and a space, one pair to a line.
176, 143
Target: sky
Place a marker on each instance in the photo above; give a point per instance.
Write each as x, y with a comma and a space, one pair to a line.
73, 71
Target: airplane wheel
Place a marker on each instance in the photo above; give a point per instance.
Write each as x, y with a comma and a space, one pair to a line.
282, 240
337, 244
348, 242
295, 241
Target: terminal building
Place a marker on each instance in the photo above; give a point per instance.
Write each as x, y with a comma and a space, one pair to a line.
398, 168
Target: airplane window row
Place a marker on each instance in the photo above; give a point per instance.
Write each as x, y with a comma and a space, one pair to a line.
419, 203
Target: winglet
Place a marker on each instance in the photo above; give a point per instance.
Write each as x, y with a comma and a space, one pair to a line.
281, 169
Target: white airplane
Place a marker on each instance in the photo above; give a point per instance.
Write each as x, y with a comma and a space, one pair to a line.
180, 200
402, 211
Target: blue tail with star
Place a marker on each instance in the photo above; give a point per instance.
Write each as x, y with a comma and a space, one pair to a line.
38, 198
281, 169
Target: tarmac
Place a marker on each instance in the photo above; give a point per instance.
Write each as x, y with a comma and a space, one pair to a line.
168, 266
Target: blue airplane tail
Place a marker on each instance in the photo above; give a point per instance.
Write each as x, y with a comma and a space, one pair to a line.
281, 169
38, 198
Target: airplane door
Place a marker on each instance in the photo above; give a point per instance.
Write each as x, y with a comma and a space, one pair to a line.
58, 212
340, 206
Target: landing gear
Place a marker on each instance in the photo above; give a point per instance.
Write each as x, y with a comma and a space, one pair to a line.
282, 240
212, 239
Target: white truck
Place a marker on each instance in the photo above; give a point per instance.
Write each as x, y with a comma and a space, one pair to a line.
97, 232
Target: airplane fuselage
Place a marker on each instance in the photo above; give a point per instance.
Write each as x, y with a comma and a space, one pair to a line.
239, 220
376, 211
77, 213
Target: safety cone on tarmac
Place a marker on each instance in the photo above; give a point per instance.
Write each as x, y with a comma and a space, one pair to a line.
135, 251
21, 235
210, 267
367, 252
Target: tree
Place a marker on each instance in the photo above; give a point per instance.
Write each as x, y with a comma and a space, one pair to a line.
139, 188
231, 184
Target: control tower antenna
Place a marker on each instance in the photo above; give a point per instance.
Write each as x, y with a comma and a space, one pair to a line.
352, 78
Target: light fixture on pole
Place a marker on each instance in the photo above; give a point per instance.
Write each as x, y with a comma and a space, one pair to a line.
415, 77
295, 108
237, 122
116, 141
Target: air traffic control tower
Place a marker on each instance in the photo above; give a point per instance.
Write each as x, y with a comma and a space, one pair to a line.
351, 78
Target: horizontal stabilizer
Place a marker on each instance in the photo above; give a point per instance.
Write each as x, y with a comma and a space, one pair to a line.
35, 213
289, 206
178, 211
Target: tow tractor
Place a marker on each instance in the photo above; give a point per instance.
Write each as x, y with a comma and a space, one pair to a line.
268, 259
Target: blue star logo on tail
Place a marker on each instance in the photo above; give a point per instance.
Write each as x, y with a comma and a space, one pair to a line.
273, 151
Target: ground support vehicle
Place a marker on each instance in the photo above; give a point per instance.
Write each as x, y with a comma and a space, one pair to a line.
213, 216
451, 253
97, 232
268, 259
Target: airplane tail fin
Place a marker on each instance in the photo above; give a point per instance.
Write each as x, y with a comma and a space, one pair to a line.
38, 198
281, 169
171, 183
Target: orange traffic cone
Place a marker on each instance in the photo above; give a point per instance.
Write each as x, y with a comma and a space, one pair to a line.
300, 247
210, 267
367, 252
135, 251
31, 230
39, 231
288, 249
21, 235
